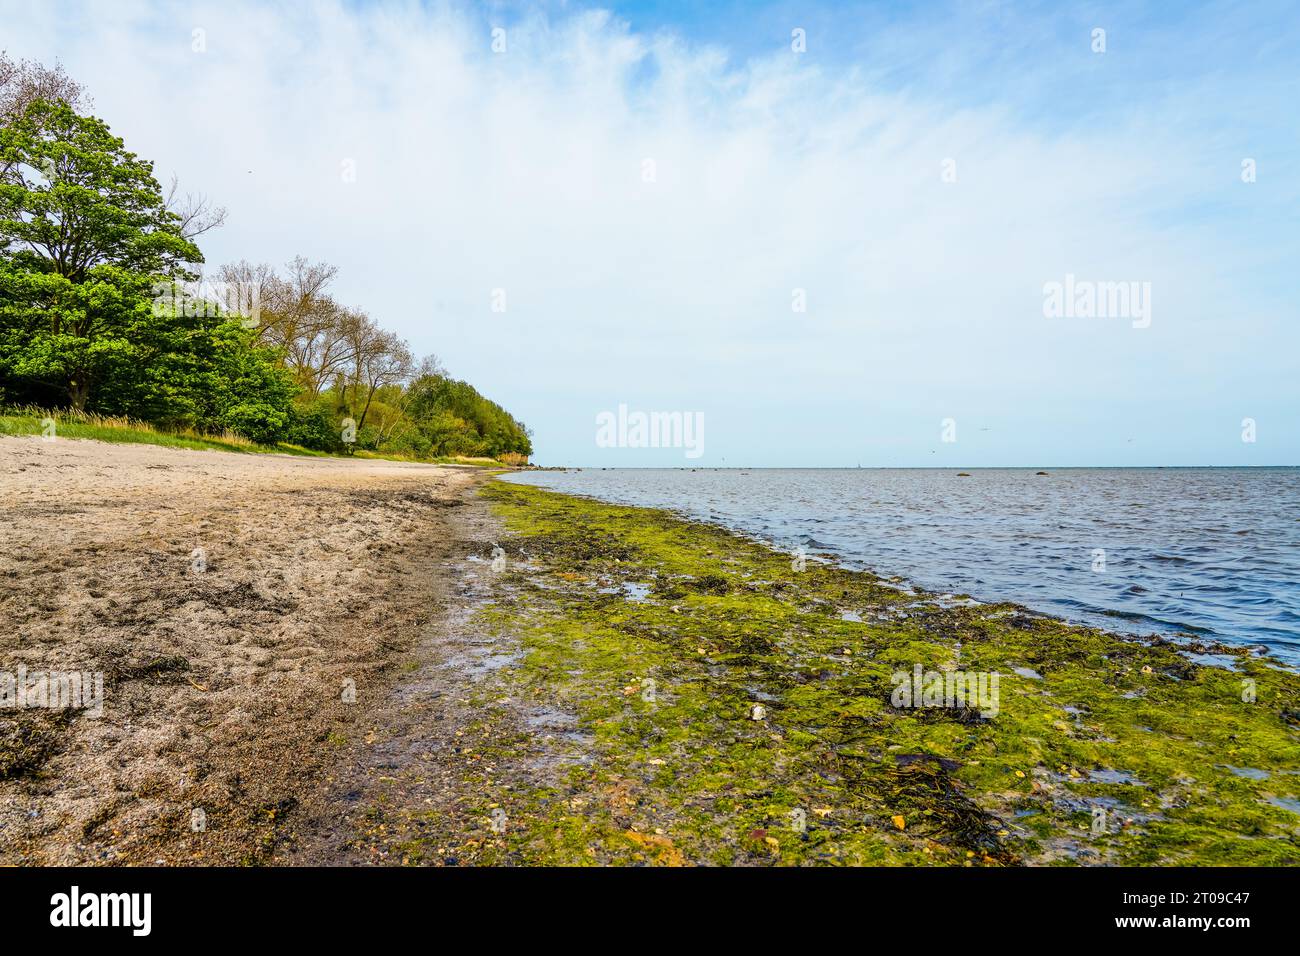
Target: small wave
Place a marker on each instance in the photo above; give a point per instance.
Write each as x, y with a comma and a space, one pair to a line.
1181, 565
1156, 622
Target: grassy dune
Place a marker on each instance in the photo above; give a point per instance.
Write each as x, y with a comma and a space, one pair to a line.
70, 424
662, 635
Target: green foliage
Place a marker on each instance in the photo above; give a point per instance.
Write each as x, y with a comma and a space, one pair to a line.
74, 198
259, 421
243, 386
411, 443
313, 425
92, 317
457, 420
88, 250
58, 336
33, 421
104, 346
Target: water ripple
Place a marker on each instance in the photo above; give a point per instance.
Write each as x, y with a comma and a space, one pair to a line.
1206, 551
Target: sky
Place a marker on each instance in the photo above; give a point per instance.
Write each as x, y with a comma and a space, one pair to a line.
827, 232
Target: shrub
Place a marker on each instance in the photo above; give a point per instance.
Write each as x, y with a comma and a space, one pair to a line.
313, 426
256, 421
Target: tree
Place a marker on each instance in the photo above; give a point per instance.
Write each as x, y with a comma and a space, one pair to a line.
195, 213
23, 82
244, 386
298, 316
379, 358
57, 338
430, 366
74, 198
459, 421
84, 234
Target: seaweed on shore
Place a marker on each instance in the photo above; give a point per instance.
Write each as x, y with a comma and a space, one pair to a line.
739, 709
28, 739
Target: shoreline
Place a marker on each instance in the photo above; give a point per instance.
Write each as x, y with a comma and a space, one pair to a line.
938, 570
1090, 723
545, 678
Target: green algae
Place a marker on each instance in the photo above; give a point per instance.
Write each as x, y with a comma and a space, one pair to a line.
1103, 749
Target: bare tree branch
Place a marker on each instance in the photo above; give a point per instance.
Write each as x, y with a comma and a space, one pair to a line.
25, 81
196, 213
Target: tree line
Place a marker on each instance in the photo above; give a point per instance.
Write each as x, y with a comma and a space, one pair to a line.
105, 308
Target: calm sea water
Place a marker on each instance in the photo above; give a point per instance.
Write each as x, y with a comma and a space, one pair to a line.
1213, 552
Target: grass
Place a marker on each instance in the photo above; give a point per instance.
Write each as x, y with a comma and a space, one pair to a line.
72, 424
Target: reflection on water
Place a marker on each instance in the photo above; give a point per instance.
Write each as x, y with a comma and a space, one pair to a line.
1213, 552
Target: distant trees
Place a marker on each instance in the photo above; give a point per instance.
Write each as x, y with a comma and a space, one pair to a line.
457, 420
296, 316
379, 358
325, 344
101, 307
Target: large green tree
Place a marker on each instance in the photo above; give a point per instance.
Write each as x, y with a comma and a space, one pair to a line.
75, 198
84, 237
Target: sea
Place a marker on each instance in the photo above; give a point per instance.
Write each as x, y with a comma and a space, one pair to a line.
1210, 553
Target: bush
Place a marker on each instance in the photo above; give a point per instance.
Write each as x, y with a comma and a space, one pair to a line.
412, 444
368, 438
313, 426
256, 421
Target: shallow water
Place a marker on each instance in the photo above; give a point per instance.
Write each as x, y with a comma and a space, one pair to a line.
1213, 552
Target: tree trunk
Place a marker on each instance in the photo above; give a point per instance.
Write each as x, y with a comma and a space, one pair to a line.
366, 411
79, 394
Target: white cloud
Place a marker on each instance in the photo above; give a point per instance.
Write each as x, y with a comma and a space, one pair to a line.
524, 171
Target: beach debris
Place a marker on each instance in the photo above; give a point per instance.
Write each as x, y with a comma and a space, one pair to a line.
899, 821
661, 847
757, 712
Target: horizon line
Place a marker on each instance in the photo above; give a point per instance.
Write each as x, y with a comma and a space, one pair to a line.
535, 466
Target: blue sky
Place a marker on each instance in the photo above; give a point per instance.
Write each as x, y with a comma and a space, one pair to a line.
771, 173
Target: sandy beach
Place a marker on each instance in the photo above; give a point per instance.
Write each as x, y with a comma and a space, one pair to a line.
230, 603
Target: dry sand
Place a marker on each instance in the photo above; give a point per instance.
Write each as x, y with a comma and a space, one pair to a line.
226, 599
